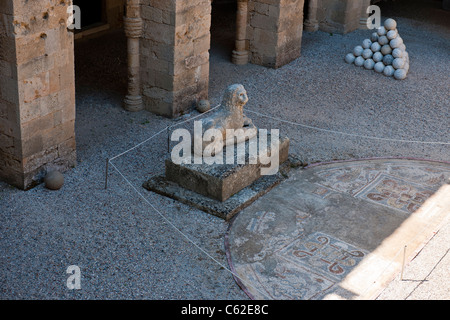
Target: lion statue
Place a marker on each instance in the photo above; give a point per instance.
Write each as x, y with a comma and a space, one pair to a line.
229, 115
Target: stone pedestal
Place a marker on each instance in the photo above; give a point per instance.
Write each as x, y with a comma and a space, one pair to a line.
221, 190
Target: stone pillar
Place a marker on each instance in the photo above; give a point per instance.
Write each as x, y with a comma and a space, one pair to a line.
175, 55
311, 23
275, 31
37, 91
133, 31
240, 54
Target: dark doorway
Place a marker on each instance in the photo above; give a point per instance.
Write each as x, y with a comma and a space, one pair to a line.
92, 12
223, 28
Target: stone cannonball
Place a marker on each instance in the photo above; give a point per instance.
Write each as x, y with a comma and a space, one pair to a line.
377, 57
403, 47
359, 61
375, 47
381, 31
379, 67
369, 64
398, 63
366, 43
388, 71
350, 58
397, 53
395, 43
54, 180
374, 37
358, 50
383, 40
367, 53
392, 34
390, 24
386, 49
203, 106
400, 74
388, 59
406, 67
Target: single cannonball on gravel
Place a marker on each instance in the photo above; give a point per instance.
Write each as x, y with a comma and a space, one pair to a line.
386, 49
383, 40
369, 64
367, 53
375, 47
387, 59
374, 37
397, 53
366, 43
398, 63
388, 71
395, 43
350, 58
390, 24
400, 74
392, 34
358, 50
359, 61
379, 67
54, 180
381, 31
203, 106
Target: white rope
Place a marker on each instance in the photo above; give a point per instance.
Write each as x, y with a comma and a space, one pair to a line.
345, 133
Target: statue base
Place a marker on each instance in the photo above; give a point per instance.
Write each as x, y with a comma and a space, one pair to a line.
220, 189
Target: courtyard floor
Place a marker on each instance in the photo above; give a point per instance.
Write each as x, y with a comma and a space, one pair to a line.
128, 249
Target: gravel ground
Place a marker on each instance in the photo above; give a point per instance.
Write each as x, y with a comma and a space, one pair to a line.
128, 250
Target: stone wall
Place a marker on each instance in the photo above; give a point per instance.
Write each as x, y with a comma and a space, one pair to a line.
340, 16
37, 97
175, 54
275, 31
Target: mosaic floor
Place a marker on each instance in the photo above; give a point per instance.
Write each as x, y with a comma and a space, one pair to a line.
337, 231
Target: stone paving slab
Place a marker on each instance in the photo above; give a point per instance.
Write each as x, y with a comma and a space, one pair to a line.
338, 230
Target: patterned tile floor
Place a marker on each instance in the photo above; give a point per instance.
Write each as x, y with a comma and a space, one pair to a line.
338, 230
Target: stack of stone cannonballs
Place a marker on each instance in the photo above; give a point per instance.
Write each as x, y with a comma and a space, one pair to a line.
384, 52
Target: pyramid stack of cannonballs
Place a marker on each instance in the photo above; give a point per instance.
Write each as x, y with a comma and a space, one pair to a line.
384, 52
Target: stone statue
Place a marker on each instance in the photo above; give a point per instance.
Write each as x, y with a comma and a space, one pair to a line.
229, 115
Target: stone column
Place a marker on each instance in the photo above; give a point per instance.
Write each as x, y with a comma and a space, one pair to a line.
240, 55
37, 91
311, 23
133, 30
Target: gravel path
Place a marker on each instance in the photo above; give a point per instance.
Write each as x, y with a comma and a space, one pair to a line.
127, 250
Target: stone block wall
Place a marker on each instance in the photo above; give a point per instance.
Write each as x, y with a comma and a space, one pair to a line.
37, 95
340, 16
175, 54
274, 31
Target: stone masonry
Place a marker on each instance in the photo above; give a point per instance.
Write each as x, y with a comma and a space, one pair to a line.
175, 54
275, 31
37, 93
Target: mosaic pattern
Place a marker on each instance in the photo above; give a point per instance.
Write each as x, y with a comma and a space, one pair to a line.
397, 186
305, 245
395, 193
323, 254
